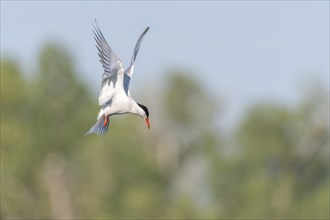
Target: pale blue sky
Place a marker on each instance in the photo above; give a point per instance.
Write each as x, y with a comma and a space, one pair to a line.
242, 50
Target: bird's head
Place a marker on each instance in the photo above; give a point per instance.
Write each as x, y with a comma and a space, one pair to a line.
145, 114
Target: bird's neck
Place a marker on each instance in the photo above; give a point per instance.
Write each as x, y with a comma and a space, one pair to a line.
135, 108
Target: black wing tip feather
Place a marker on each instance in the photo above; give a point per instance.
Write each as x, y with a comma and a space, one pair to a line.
147, 29
102, 47
98, 36
137, 46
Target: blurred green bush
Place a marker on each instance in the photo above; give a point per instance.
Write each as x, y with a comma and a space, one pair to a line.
275, 164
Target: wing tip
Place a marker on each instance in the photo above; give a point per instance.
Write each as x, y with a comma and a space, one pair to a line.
147, 29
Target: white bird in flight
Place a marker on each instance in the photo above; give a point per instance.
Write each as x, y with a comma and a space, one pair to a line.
114, 97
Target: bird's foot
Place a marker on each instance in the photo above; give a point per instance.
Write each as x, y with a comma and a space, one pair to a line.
106, 121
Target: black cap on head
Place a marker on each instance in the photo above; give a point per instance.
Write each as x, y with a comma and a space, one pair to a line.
145, 109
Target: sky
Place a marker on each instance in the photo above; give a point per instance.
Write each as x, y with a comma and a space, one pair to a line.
240, 51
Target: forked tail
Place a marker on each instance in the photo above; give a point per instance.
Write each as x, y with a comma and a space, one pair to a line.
100, 127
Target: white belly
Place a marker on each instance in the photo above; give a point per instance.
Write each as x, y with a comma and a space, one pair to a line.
117, 107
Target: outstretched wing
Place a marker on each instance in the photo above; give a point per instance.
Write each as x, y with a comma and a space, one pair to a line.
112, 65
130, 69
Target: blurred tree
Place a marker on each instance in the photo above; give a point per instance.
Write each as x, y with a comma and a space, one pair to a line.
280, 164
189, 113
49, 169
43, 117
188, 107
15, 140
60, 101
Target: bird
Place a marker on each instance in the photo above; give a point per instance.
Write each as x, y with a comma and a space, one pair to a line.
115, 97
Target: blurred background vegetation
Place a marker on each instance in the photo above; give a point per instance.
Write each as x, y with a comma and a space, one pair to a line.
274, 164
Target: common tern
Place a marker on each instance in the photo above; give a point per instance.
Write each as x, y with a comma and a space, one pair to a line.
115, 97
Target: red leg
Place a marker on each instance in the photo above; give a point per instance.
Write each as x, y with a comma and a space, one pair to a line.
105, 121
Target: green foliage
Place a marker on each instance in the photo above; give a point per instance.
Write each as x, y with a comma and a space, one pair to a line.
49, 169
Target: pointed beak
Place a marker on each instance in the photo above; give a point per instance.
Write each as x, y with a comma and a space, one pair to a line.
147, 122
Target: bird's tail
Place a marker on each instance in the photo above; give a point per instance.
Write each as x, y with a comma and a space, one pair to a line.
100, 127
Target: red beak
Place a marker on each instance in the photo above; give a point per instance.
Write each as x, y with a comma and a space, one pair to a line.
148, 124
